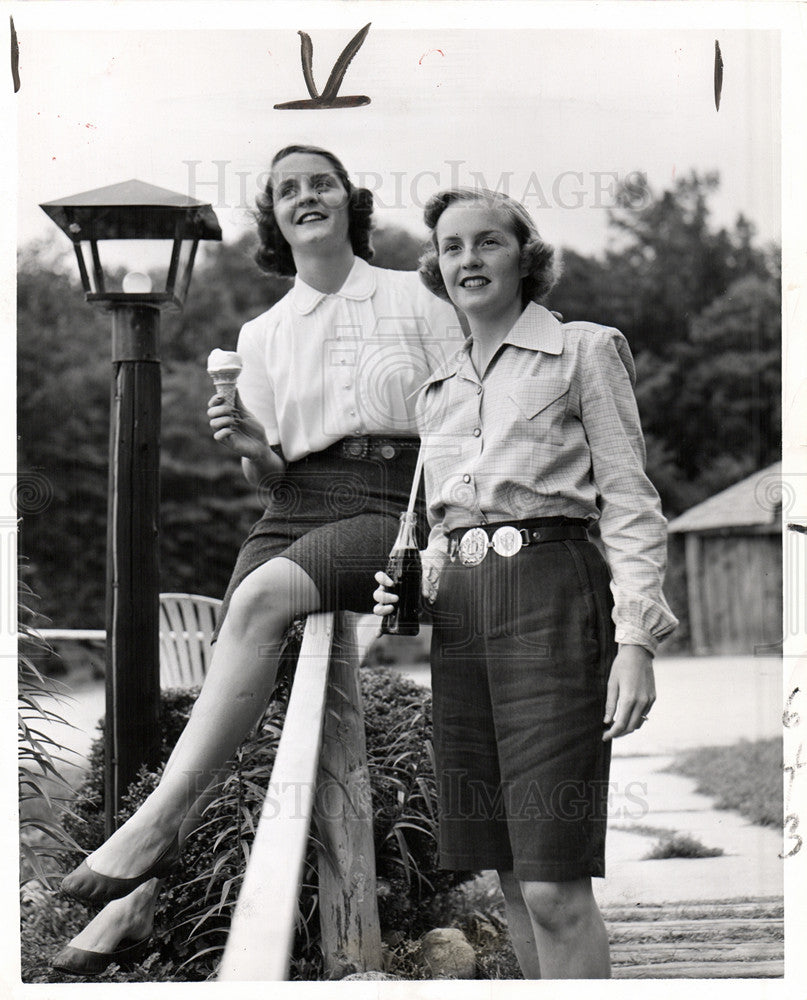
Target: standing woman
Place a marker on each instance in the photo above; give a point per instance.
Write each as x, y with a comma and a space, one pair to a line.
324, 425
531, 434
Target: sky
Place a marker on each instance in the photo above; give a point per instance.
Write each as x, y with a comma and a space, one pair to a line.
554, 116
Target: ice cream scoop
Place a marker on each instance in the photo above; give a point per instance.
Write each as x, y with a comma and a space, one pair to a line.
224, 367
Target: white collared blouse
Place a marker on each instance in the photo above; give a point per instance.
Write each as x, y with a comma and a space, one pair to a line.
550, 428
321, 367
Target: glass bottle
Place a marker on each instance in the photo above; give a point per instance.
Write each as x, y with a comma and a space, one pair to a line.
404, 570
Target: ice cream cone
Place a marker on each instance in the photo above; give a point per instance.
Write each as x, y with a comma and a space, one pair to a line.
224, 367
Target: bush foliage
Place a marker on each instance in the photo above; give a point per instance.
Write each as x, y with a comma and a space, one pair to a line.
196, 904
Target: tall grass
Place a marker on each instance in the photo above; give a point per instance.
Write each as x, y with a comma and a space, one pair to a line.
43, 792
746, 776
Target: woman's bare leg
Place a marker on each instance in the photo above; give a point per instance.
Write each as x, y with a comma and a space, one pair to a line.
132, 917
519, 926
238, 684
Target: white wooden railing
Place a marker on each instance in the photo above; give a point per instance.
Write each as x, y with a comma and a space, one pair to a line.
320, 774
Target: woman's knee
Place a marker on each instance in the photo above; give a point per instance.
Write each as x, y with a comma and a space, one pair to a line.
272, 595
557, 906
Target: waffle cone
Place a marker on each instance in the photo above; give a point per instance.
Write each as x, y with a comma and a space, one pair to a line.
226, 387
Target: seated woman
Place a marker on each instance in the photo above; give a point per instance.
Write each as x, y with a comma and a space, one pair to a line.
531, 434
324, 425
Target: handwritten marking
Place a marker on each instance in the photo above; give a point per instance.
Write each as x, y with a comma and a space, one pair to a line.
791, 770
792, 821
15, 56
428, 53
718, 75
791, 720
328, 98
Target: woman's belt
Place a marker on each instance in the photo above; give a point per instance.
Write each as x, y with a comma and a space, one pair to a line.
366, 446
506, 538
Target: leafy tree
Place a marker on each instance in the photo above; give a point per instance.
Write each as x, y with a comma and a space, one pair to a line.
396, 248
701, 310
584, 291
735, 371
668, 263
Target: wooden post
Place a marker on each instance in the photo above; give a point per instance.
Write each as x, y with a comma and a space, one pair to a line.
343, 810
698, 612
132, 594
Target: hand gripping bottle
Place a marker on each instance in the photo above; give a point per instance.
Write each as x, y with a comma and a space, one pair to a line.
404, 570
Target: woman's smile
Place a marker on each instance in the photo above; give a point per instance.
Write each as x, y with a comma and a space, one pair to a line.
311, 216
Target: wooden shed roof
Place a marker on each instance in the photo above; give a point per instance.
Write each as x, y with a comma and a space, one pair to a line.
752, 502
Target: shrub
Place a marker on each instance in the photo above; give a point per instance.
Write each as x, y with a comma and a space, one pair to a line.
681, 845
42, 791
194, 910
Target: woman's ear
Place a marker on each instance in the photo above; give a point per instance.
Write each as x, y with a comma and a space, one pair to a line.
525, 265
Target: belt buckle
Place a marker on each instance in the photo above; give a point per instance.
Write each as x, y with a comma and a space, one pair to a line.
507, 541
356, 447
473, 547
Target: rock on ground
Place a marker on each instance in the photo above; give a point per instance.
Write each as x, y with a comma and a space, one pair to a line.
448, 954
367, 975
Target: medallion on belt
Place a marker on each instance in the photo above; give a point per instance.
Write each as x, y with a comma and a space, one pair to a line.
473, 547
507, 541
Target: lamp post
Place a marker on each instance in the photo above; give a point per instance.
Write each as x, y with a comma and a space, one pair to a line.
133, 211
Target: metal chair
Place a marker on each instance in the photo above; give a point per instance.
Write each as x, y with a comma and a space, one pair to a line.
186, 626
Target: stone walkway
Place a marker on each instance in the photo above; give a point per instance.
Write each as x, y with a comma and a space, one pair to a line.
702, 701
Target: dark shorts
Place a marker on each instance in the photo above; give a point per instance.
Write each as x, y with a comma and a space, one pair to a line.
521, 652
334, 515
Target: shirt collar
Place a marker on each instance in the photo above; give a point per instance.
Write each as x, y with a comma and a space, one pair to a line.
536, 330
448, 368
359, 285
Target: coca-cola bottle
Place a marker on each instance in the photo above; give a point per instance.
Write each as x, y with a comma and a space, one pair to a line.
404, 570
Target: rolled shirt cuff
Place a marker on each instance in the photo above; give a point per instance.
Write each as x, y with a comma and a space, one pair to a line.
627, 636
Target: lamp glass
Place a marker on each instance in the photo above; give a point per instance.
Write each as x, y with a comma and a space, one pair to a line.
123, 257
136, 282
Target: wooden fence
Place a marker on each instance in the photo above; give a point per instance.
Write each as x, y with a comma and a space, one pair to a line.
320, 774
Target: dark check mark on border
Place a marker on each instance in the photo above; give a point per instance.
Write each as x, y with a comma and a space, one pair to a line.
328, 98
